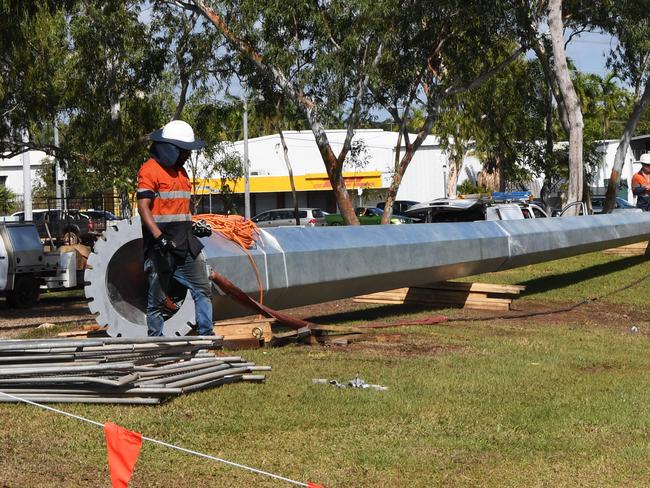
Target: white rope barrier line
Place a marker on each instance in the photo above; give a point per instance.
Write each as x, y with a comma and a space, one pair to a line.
155, 441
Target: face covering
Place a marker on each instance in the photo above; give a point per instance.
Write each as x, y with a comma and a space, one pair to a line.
165, 153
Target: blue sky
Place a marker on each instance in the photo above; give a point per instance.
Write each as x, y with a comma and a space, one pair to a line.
589, 51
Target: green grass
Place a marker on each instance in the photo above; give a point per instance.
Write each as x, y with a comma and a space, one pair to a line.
535, 402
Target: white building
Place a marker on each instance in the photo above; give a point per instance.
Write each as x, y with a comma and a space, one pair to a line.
425, 178
11, 171
370, 175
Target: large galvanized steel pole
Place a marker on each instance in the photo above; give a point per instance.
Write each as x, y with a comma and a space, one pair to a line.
300, 266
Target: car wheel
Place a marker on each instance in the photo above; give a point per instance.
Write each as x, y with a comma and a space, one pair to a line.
25, 293
71, 238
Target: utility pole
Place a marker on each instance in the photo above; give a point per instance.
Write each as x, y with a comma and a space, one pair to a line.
247, 188
27, 180
57, 169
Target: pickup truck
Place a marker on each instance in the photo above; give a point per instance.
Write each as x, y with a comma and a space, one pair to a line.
62, 226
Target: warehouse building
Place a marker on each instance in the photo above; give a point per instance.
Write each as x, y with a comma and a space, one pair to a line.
367, 177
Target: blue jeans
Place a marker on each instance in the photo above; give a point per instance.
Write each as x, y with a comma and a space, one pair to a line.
192, 273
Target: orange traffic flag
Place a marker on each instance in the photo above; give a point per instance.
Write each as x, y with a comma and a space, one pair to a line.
123, 448
313, 485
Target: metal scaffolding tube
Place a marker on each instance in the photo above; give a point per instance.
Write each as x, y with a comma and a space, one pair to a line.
206, 377
83, 399
191, 374
123, 366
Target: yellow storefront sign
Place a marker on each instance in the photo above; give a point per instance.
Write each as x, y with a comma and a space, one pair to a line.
308, 182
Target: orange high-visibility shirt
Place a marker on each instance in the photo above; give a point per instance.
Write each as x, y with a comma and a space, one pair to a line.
170, 191
641, 179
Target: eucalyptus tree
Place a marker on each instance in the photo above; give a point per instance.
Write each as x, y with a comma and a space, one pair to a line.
319, 54
630, 60
570, 101
33, 51
436, 50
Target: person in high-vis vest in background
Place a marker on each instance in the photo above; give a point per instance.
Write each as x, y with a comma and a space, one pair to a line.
641, 183
171, 251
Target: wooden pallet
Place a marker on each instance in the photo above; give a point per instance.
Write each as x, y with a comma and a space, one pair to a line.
636, 249
449, 294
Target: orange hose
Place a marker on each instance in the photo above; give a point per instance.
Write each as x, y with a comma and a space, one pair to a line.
237, 229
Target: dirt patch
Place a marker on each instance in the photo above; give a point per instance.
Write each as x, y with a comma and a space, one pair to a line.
596, 368
52, 309
404, 349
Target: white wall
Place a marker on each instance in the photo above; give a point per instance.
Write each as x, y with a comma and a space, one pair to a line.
423, 180
608, 150
13, 169
425, 177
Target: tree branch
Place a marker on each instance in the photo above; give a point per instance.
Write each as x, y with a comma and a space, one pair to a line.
485, 76
354, 113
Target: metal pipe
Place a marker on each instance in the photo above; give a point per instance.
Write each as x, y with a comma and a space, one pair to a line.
87, 391
66, 369
300, 266
205, 377
212, 383
190, 374
83, 399
30, 344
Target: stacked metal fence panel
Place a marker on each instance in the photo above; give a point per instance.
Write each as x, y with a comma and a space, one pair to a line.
117, 370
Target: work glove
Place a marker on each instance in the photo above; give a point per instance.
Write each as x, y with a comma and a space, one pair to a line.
201, 229
165, 244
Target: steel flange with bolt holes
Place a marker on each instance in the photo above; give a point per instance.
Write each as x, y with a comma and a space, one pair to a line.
116, 284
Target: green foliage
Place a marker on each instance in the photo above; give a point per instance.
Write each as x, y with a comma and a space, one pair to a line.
7, 199
469, 187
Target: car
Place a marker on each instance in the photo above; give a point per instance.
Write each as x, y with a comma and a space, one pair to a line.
368, 216
399, 206
597, 205
62, 226
473, 209
99, 218
448, 210
620, 205
280, 217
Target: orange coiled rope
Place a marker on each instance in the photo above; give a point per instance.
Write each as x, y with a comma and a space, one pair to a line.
237, 229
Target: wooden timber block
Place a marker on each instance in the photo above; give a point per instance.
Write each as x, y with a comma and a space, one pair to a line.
475, 287
636, 249
245, 329
482, 296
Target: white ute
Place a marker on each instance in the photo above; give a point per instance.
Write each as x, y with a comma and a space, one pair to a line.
25, 267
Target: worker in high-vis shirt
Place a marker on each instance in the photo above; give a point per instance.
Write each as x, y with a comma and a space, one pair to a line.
171, 252
641, 183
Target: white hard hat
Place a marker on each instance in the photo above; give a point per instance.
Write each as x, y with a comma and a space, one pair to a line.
644, 159
178, 133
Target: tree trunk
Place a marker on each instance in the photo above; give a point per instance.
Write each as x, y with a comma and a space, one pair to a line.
452, 177
455, 165
182, 99
335, 174
285, 151
394, 184
621, 151
572, 104
501, 172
